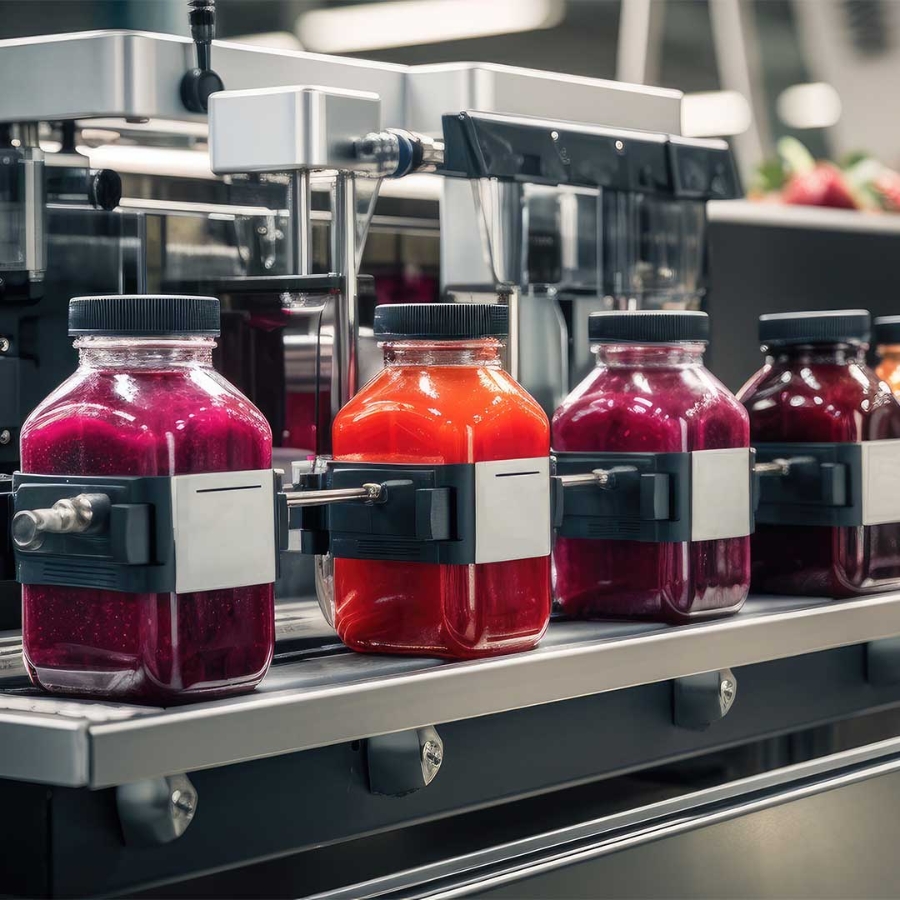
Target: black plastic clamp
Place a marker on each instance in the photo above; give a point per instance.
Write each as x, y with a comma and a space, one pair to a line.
129, 544
424, 513
810, 484
637, 497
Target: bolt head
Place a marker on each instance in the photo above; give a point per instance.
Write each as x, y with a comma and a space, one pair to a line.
5, 436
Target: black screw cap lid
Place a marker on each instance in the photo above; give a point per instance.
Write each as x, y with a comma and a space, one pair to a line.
839, 326
143, 315
441, 321
887, 330
648, 326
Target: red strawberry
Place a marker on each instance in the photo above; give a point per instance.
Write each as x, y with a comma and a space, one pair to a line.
823, 186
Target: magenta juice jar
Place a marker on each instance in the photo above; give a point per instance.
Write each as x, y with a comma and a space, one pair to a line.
145, 400
816, 387
650, 393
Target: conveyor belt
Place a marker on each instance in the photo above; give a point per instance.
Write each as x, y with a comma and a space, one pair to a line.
318, 693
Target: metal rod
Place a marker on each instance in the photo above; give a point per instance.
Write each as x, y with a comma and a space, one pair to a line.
601, 477
782, 466
369, 492
299, 207
344, 359
775, 467
513, 343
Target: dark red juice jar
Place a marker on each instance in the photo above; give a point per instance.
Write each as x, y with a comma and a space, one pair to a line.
443, 398
650, 392
145, 400
815, 386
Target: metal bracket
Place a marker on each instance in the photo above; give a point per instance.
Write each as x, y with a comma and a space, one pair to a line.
404, 762
156, 811
700, 700
883, 661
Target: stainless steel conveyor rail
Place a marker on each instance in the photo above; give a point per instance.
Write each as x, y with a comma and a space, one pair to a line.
321, 694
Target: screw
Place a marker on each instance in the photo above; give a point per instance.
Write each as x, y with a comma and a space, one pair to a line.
183, 800
5, 436
4, 345
620, 146
727, 691
432, 754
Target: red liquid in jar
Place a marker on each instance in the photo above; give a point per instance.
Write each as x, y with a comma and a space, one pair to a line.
158, 648
823, 395
635, 407
441, 414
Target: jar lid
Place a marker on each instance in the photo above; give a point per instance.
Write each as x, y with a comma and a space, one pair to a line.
143, 315
648, 326
441, 321
887, 330
837, 326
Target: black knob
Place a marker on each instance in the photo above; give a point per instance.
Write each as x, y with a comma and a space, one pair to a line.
201, 81
105, 189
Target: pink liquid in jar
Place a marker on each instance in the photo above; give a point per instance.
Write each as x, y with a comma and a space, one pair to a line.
141, 406
659, 398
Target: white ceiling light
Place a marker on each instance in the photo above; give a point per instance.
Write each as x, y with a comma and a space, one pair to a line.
405, 23
715, 114
814, 105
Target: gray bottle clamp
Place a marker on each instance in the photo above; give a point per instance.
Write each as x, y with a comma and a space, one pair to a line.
655, 497
181, 534
830, 484
456, 514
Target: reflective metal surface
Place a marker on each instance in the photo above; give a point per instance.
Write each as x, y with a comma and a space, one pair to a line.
343, 696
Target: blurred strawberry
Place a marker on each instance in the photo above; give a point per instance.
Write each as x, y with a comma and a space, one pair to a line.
812, 183
824, 186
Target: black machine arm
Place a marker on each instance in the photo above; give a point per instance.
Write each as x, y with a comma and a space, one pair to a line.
201, 81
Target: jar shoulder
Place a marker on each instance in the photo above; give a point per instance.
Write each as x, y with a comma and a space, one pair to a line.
820, 402
145, 423
442, 414
664, 409
468, 395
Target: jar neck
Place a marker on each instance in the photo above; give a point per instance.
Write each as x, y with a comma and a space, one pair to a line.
144, 352
480, 352
817, 354
661, 356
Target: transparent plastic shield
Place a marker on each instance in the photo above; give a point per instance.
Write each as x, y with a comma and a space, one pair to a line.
653, 251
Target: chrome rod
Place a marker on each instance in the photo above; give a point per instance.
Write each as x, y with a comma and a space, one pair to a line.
84, 512
781, 466
601, 477
344, 365
368, 492
299, 205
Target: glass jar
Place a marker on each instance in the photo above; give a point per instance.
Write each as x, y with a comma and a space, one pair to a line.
443, 398
650, 392
815, 386
887, 340
145, 400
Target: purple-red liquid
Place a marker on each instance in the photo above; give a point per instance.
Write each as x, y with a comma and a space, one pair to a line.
654, 400
159, 648
822, 394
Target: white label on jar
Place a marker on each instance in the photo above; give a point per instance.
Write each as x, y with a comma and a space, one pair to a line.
512, 509
880, 482
224, 530
720, 494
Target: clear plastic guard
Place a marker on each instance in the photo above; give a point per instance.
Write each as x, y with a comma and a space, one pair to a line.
366, 197
503, 220
654, 251
324, 564
325, 586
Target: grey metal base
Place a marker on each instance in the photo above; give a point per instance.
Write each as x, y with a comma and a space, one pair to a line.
325, 695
